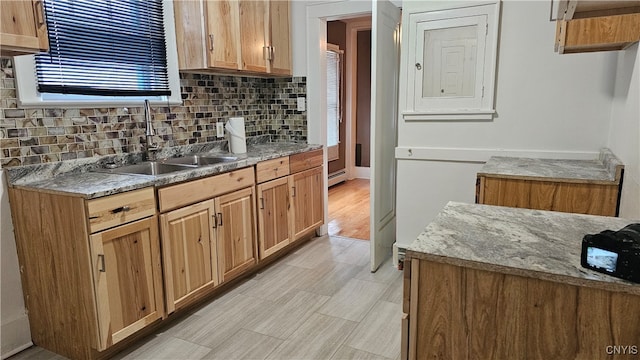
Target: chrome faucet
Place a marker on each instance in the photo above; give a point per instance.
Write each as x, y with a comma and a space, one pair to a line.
150, 147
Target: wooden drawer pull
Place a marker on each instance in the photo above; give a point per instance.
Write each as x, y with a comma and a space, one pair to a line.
39, 7
102, 268
121, 209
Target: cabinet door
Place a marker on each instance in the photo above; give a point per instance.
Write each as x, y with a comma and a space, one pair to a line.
127, 279
273, 216
223, 34
279, 38
306, 194
253, 22
236, 234
22, 28
190, 34
189, 252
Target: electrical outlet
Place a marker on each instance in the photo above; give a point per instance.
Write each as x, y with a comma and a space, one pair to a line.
220, 129
302, 106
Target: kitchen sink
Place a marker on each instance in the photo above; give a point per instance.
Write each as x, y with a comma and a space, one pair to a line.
199, 160
149, 168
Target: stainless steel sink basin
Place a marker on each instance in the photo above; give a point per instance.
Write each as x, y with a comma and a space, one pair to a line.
199, 160
149, 168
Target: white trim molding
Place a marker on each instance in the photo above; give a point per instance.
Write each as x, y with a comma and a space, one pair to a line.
482, 155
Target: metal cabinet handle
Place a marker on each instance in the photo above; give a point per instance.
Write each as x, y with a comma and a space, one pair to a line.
210, 42
261, 203
214, 220
293, 189
102, 267
219, 219
418, 66
121, 209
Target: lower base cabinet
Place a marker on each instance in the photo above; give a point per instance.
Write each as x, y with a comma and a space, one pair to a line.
274, 209
127, 278
189, 252
207, 243
236, 232
307, 189
563, 196
91, 271
459, 312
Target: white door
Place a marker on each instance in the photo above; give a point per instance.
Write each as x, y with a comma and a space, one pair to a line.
385, 46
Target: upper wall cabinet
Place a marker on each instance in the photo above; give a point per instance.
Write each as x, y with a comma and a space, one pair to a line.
251, 36
22, 28
449, 65
585, 26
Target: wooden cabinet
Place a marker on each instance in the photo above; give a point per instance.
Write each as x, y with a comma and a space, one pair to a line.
207, 34
461, 312
586, 26
23, 29
236, 232
90, 269
127, 278
582, 198
279, 38
308, 207
252, 36
291, 206
274, 212
189, 252
253, 26
208, 234
566, 185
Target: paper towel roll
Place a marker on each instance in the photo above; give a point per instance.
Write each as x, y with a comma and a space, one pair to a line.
237, 138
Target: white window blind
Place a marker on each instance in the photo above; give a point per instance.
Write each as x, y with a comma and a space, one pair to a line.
104, 47
333, 97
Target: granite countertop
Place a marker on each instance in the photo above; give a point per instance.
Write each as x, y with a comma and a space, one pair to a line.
532, 243
84, 178
605, 169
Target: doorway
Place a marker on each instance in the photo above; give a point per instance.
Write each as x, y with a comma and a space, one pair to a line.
348, 53
385, 36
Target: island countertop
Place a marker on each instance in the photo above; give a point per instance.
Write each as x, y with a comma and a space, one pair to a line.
532, 243
605, 169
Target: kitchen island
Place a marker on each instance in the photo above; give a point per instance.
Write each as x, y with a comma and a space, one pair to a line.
490, 282
576, 186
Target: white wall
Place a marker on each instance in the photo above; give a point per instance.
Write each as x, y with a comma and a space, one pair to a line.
299, 37
624, 137
547, 104
14, 324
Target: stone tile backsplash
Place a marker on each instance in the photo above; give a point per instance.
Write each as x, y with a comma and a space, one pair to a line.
31, 136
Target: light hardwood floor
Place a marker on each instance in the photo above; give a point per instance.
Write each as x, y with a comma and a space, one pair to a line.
319, 302
349, 209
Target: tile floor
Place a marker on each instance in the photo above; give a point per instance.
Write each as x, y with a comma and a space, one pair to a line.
319, 302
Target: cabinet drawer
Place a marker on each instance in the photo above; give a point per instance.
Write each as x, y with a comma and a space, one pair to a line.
304, 161
122, 208
176, 196
272, 169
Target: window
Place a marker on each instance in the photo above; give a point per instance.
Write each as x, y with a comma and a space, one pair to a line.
451, 64
102, 52
334, 100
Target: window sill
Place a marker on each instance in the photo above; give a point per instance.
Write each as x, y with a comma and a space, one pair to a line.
449, 115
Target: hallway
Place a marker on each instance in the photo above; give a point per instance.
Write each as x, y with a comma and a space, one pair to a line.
349, 209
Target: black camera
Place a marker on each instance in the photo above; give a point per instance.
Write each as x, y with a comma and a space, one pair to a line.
615, 253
